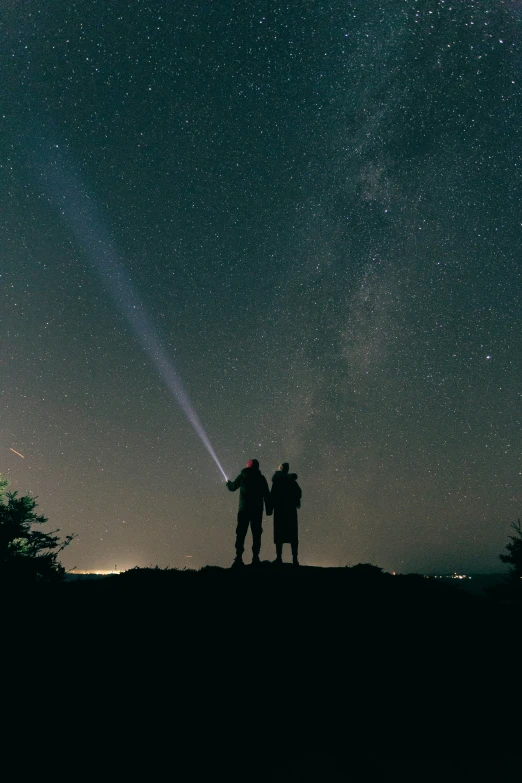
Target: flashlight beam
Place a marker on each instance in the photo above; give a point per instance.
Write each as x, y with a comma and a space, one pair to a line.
70, 196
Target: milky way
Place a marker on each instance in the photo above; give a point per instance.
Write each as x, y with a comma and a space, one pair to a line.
319, 206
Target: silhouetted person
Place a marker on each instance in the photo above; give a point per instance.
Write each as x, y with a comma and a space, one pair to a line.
286, 499
253, 494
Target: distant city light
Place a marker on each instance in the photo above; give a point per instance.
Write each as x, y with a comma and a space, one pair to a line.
451, 576
98, 572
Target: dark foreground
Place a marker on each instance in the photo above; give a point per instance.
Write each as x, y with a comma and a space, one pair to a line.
266, 674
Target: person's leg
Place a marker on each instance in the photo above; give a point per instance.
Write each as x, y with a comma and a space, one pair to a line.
295, 547
257, 530
279, 552
241, 531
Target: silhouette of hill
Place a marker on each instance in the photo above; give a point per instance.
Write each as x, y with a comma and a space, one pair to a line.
274, 673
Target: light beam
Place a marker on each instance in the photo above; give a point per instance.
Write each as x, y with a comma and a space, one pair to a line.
69, 195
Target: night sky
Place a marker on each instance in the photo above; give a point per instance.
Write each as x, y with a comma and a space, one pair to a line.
318, 205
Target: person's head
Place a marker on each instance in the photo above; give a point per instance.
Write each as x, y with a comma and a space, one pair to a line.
284, 467
252, 463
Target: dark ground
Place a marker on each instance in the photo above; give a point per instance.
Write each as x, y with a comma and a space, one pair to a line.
267, 674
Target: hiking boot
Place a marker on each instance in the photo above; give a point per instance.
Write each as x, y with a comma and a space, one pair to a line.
256, 561
295, 561
278, 561
238, 562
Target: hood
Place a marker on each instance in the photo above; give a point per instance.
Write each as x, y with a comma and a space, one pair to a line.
280, 476
250, 471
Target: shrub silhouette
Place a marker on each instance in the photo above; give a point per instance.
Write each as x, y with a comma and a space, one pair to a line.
27, 554
514, 558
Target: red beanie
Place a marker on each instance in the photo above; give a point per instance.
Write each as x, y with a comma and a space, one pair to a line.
252, 463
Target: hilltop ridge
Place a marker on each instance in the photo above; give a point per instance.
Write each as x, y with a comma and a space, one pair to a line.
258, 669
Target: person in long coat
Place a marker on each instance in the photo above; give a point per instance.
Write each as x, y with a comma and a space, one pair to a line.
253, 495
286, 499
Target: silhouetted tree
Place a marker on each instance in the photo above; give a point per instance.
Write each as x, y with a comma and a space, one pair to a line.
514, 558
3, 484
26, 554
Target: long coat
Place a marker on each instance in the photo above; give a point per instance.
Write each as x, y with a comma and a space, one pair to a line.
286, 499
253, 491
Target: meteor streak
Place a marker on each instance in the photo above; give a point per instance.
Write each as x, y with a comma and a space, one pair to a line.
70, 196
16, 452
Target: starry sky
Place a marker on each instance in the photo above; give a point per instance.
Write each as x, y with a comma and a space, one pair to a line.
317, 206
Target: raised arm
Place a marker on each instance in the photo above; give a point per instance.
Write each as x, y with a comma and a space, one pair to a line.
233, 485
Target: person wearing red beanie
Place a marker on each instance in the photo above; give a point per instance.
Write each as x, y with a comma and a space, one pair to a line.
253, 496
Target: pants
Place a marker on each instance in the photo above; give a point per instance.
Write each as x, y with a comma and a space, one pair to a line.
244, 519
293, 544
